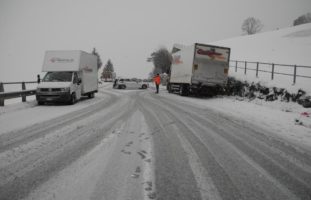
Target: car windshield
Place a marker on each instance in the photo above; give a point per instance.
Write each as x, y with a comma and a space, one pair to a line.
58, 77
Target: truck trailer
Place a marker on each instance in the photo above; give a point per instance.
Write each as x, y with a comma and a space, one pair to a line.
198, 69
69, 76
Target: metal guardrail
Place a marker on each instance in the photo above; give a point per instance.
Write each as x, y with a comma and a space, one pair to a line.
15, 94
272, 70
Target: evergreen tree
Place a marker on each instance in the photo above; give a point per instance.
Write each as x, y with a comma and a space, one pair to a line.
108, 71
303, 19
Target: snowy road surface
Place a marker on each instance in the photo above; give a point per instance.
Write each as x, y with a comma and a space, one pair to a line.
138, 145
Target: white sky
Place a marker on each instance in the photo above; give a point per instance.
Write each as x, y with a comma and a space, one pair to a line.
127, 32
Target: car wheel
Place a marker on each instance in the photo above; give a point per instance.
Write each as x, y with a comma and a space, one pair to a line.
144, 86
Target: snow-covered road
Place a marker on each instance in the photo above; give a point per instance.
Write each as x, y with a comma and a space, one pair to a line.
134, 144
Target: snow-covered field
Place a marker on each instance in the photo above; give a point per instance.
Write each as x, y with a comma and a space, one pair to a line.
290, 46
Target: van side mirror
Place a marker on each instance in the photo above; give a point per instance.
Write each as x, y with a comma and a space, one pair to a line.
79, 81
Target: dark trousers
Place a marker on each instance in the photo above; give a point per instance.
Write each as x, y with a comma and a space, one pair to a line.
157, 87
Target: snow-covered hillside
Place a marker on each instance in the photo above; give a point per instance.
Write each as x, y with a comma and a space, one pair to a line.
290, 46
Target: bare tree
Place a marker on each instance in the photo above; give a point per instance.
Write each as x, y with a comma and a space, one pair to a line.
162, 60
251, 26
303, 19
99, 61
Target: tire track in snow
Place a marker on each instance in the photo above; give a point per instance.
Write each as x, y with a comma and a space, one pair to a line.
16, 138
174, 178
275, 167
23, 176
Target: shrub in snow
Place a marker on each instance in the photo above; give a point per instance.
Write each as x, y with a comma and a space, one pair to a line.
256, 90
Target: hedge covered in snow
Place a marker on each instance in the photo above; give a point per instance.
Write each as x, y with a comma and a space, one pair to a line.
256, 90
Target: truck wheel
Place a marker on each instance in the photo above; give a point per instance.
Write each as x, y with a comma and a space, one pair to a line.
169, 88
73, 99
40, 103
184, 90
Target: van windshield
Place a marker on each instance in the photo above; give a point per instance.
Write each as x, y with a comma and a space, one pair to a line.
58, 77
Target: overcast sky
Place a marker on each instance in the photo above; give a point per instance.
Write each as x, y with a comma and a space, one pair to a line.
127, 31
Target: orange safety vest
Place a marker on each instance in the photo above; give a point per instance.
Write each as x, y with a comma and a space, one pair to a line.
157, 80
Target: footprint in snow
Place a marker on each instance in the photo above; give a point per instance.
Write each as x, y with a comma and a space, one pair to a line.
125, 152
129, 143
142, 155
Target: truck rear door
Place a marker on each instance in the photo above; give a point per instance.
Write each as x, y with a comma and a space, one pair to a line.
211, 64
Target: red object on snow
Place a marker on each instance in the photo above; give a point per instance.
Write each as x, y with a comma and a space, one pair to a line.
305, 114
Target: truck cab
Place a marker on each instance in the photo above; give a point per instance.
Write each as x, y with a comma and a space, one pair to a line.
59, 87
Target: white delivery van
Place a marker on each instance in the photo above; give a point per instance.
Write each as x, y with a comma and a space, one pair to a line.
198, 69
69, 75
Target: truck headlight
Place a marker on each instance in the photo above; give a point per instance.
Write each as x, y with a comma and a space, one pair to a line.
65, 89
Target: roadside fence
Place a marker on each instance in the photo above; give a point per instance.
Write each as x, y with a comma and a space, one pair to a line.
15, 94
296, 71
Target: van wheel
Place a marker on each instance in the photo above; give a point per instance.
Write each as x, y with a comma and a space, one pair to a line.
91, 95
73, 99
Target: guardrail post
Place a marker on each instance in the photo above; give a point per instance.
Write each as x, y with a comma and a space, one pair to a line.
236, 66
1, 90
245, 67
257, 69
295, 73
23, 95
272, 74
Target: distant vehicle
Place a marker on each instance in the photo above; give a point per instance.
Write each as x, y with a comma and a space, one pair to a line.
125, 83
69, 75
198, 69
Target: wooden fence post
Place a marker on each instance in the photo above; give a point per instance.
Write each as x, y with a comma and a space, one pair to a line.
257, 69
236, 66
245, 67
295, 73
23, 95
272, 74
1, 90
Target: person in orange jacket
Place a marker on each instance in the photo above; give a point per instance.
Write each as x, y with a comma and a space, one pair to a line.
157, 81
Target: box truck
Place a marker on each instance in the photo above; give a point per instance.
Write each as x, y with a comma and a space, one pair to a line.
198, 69
69, 75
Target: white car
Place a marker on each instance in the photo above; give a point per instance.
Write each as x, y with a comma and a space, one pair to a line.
125, 83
